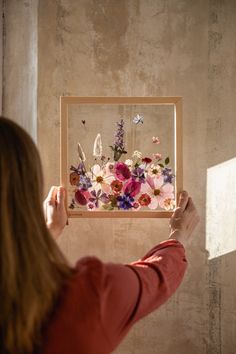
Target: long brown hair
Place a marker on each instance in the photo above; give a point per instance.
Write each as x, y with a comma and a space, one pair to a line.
32, 268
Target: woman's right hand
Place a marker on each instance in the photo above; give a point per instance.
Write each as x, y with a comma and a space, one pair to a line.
184, 219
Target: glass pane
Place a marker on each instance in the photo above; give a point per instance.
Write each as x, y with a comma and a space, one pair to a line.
129, 168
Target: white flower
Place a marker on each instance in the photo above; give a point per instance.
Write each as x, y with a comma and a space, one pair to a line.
154, 170
138, 119
169, 204
137, 154
129, 163
100, 179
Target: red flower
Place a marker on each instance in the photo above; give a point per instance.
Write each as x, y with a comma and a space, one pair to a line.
116, 185
132, 188
147, 160
144, 199
122, 171
80, 197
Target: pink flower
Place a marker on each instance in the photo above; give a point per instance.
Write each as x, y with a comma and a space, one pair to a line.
91, 206
122, 171
157, 156
155, 140
109, 168
158, 191
132, 188
136, 206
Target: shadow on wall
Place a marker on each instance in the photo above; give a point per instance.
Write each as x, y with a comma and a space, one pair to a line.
221, 245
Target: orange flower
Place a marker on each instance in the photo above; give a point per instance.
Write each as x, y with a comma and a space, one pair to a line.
74, 179
116, 185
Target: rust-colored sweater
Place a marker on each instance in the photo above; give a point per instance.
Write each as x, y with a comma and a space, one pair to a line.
100, 304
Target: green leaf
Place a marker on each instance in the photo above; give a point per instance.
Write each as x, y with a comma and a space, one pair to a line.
161, 165
167, 160
108, 207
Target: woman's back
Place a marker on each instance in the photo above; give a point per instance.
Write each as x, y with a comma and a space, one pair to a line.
46, 306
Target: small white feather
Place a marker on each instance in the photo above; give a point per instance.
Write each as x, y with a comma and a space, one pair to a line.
97, 147
81, 153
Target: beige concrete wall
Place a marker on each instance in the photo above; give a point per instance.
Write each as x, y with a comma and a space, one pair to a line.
20, 63
1, 51
146, 48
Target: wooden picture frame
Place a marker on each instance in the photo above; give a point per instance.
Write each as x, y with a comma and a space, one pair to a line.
65, 101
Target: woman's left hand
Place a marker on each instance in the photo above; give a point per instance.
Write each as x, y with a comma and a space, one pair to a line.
55, 212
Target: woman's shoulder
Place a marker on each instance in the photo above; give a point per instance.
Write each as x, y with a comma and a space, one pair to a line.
89, 267
87, 278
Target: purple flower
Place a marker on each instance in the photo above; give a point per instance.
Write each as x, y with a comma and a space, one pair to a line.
80, 170
85, 182
119, 146
168, 176
166, 171
98, 196
119, 136
138, 174
125, 201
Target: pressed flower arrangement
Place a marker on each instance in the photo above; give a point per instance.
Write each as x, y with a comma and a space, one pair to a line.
137, 183
114, 178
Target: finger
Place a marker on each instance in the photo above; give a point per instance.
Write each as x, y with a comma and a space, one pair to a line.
51, 198
50, 210
183, 200
60, 196
190, 207
177, 213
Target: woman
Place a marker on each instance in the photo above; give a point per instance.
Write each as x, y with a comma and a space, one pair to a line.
48, 307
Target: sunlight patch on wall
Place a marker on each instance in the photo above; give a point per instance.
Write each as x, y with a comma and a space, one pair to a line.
221, 209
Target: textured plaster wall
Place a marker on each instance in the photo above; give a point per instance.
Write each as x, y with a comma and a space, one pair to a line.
20, 63
148, 48
1, 53
141, 48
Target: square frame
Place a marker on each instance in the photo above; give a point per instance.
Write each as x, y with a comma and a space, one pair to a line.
177, 102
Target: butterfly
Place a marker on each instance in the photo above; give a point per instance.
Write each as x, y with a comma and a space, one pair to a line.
83, 121
138, 119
